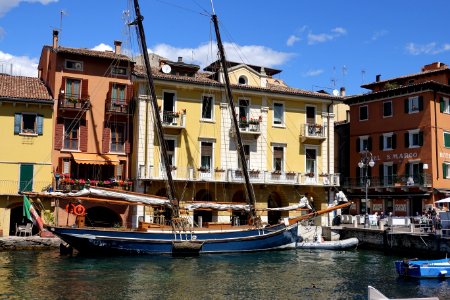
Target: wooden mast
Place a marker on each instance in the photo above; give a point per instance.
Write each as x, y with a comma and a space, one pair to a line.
248, 186
171, 193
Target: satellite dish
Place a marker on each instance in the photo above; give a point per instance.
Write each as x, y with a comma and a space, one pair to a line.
166, 69
335, 93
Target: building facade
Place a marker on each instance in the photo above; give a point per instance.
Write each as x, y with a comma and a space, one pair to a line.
287, 135
404, 123
93, 113
26, 117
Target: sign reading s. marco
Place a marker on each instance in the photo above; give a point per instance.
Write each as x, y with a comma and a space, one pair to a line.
404, 155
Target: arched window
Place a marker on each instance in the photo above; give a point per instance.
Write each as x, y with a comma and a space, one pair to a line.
243, 80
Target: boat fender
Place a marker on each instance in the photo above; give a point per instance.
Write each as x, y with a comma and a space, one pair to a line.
70, 208
79, 210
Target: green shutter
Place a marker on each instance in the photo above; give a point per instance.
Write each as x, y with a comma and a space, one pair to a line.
446, 139
26, 178
17, 123
420, 103
406, 139
421, 138
442, 103
444, 170
406, 105
394, 141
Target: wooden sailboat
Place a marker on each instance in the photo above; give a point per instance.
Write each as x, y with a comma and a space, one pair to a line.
180, 237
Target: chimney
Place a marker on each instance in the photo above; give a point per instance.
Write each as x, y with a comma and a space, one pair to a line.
378, 77
117, 46
342, 92
55, 39
180, 59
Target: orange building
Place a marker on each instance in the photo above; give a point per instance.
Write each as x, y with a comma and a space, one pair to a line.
404, 124
92, 111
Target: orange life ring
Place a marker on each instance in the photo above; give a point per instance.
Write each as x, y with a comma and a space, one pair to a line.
70, 208
79, 210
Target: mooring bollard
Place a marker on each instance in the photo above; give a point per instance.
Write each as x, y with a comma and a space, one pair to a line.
355, 223
381, 225
411, 227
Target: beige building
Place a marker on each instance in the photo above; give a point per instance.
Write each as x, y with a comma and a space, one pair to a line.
288, 137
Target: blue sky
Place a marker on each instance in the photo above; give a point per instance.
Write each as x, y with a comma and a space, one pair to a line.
322, 44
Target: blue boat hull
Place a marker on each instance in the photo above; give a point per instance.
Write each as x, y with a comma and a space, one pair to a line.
96, 241
439, 268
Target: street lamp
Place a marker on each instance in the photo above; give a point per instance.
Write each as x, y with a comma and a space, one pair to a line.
366, 162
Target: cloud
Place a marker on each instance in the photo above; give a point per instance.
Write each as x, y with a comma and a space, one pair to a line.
20, 65
102, 47
205, 54
378, 34
325, 37
430, 48
7, 5
292, 40
313, 73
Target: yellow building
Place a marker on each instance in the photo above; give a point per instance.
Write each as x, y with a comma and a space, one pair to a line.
25, 156
288, 137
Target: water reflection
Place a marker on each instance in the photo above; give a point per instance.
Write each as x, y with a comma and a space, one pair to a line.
273, 275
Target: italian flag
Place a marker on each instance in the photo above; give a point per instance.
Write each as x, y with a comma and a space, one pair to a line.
31, 213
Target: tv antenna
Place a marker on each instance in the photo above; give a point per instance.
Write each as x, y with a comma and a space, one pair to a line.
61, 13
363, 73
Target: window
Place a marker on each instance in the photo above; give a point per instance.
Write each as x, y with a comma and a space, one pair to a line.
170, 144
413, 172
118, 93
388, 174
206, 153
363, 113
310, 115
121, 71
244, 106
73, 89
28, 123
447, 139
278, 158
413, 138
278, 113
311, 158
446, 170
117, 138
74, 65
387, 109
363, 143
169, 108
71, 134
243, 80
388, 141
445, 107
413, 104
247, 157
207, 108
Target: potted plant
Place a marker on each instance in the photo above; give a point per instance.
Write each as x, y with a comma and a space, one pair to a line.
203, 169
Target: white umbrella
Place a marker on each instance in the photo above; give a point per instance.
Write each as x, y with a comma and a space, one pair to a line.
445, 200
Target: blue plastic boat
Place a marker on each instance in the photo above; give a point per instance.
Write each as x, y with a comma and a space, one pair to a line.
439, 268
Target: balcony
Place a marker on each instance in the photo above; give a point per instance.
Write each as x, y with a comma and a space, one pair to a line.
117, 106
173, 119
312, 132
391, 183
236, 176
73, 102
11, 187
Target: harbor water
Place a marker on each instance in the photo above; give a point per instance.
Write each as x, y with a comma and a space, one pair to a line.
293, 274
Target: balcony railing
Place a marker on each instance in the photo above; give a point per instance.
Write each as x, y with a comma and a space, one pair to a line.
119, 106
12, 187
313, 131
172, 119
73, 101
236, 175
393, 181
